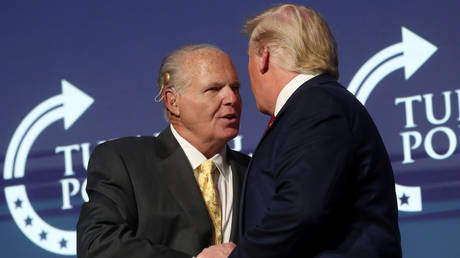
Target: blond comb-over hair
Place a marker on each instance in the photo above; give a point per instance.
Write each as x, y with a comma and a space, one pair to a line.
298, 37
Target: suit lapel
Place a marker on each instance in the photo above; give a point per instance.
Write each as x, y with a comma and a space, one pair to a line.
179, 178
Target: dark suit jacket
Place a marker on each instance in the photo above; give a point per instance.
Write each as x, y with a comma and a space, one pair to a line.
144, 201
320, 183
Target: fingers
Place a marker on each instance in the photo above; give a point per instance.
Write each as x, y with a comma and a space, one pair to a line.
217, 251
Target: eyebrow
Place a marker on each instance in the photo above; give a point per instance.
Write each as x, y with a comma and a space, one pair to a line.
237, 83
221, 84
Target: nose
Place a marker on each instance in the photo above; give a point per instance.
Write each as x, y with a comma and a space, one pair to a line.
231, 95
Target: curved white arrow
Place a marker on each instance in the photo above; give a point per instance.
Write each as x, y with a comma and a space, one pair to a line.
69, 105
374, 78
409, 54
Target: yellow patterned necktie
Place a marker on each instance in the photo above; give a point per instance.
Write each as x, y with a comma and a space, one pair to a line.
203, 175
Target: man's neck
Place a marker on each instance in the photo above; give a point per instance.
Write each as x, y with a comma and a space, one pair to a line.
279, 80
289, 89
207, 148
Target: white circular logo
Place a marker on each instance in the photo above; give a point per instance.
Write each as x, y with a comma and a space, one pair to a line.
69, 105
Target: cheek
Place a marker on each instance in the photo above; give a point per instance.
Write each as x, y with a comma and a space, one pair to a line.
250, 68
255, 90
210, 109
194, 111
254, 83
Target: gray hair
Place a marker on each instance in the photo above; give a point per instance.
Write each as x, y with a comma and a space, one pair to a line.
172, 73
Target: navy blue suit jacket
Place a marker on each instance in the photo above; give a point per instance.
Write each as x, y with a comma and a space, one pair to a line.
320, 183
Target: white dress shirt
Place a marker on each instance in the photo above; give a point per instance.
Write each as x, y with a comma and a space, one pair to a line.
289, 89
223, 180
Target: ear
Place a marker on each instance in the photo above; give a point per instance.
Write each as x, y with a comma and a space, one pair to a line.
171, 101
264, 60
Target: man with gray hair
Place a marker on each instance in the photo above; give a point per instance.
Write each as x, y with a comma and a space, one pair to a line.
178, 193
320, 183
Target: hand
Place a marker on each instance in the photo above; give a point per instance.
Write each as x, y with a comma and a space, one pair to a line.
217, 251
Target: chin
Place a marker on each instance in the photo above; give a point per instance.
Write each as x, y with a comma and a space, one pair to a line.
229, 133
261, 108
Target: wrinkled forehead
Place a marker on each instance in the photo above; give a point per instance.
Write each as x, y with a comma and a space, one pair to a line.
209, 65
202, 58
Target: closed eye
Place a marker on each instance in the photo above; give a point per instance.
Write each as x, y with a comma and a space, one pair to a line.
213, 89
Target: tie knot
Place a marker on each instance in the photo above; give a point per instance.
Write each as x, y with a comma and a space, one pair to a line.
207, 167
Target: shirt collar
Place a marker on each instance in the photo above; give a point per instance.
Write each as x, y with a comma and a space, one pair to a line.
289, 89
195, 157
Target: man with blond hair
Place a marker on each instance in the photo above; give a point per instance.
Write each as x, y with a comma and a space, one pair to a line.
320, 183
175, 194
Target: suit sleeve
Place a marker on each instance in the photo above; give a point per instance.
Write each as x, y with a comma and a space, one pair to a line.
108, 222
309, 178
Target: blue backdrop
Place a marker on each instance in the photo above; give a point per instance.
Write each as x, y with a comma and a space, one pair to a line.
75, 73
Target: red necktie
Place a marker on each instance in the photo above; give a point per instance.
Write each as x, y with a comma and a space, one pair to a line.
270, 123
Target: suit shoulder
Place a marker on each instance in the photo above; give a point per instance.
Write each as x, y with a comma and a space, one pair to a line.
329, 89
127, 144
330, 95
